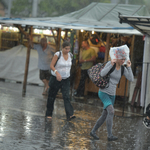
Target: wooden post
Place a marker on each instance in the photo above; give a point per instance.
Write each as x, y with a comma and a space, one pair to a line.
58, 39
54, 36
66, 34
107, 47
132, 47
27, 65
21, 30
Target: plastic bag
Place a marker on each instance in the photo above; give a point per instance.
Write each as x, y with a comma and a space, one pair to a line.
120, 53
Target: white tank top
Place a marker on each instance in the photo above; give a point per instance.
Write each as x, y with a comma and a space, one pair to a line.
63, 66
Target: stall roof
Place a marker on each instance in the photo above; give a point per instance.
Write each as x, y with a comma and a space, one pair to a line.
141, 23
101, 17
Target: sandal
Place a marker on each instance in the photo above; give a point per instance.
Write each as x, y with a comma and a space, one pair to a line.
44, 93
71, 117
49, 117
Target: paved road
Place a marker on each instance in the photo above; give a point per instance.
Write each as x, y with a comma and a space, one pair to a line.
23, 125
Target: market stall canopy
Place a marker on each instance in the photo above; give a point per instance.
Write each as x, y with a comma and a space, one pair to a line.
100, 17
141, 23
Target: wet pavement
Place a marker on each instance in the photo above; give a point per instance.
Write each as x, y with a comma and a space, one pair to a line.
23, 125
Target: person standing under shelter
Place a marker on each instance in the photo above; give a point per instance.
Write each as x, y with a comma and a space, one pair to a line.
45, 54
87, 58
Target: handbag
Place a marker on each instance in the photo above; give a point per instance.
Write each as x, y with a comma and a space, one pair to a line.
97, 79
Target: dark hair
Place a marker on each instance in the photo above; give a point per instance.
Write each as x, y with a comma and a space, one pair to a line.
66, 43
86, 41
94, 39
43, 40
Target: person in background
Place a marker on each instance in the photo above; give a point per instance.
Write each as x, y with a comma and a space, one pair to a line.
107, 95
45, 54
87, 58
60, 79
146, 120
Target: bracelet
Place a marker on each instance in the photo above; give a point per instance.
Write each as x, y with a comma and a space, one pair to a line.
55, 71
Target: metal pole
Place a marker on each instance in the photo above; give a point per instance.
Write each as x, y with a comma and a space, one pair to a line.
145, 87
34, 8
9, 8
127, 1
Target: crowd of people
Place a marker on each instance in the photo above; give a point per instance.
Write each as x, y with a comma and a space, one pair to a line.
55, 74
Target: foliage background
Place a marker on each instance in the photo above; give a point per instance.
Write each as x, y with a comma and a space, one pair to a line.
51, 8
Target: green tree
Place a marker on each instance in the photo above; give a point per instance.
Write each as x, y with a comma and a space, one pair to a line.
51, 8
134, 2
60, 7
21, 8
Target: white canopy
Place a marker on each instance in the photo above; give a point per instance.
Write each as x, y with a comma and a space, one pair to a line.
100, 17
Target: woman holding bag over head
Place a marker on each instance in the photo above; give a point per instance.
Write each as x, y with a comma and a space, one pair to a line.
60, 78
107, 95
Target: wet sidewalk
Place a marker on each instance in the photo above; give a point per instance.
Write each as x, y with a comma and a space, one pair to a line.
23, 125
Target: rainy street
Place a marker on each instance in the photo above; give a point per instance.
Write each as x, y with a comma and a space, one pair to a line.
23, 125
71, 48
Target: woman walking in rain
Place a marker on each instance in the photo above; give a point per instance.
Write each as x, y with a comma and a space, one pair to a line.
60, 70
107, 95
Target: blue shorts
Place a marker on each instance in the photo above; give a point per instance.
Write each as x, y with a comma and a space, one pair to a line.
106, 99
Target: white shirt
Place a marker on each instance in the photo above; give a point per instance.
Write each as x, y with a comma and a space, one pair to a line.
63, 66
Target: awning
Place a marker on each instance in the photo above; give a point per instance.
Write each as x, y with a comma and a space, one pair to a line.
99, 17
141, 23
